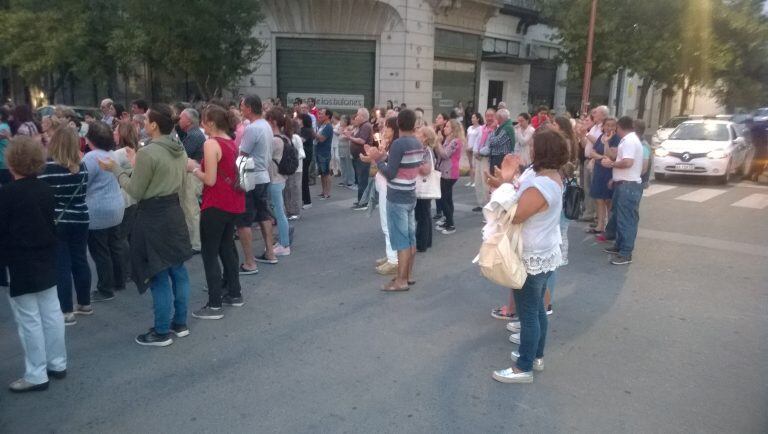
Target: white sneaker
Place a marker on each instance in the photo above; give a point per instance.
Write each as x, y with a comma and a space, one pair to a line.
515, 338
282, 251
510, 376
538, 364
306, 206
513, 327
469, 184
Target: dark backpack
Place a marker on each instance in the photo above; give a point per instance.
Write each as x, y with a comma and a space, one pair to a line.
289, 164
573, 198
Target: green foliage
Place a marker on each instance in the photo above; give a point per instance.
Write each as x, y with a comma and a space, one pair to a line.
721, 44
211, 43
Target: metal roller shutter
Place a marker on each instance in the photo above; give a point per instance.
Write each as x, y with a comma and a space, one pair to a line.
326, 66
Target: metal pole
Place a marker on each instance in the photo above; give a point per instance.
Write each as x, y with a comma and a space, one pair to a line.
588, 64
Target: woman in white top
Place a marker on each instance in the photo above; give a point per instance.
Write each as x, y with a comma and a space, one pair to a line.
292, 192
474, 133
538, 210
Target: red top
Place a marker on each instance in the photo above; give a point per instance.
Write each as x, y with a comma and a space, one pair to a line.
223, 195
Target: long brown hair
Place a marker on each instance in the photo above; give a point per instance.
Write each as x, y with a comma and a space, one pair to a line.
64, 149
567, 131
127, 137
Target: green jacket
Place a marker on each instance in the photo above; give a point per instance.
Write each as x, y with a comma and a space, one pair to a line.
160, 170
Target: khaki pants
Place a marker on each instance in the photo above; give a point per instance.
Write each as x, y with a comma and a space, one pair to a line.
481, 188
190, 193
292, 194
589, 204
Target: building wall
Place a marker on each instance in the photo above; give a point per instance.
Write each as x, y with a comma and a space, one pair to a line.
405, 34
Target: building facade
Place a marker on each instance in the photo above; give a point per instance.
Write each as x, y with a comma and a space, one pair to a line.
433, 54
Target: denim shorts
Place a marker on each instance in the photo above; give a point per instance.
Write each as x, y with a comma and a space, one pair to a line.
401, 222
323, 164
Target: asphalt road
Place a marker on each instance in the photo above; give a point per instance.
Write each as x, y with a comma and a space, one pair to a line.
676, 342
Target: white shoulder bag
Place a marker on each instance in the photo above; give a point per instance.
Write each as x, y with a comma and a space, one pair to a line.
501, 255
428, 187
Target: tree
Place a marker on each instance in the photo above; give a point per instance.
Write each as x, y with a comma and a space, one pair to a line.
211, 42
742, 80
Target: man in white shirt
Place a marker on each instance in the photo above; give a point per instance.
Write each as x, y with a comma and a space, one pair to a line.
596, 118
627, 192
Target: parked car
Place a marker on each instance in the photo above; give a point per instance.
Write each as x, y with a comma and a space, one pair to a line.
665, 130
703, 147
760, 115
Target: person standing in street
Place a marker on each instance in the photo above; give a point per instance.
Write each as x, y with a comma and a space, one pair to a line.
68, 177
222, 204
524, 137
28, 247
427, 136
594, 129
481, 153
474, 133
538, 211
362, 136
189, 122
502, 141
256, 143
105, 208
307, 134
159, 240
402, 166
448, 156
324, 139
627, 192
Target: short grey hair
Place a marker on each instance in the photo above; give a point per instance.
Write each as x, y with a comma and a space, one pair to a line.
106, 102
364, 111
603, 109
503, 113
193, 115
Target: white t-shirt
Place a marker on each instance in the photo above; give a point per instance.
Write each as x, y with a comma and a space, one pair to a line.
474, 133
541, 232
629, 147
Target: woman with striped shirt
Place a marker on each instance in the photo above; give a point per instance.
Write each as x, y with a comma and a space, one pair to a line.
68, 178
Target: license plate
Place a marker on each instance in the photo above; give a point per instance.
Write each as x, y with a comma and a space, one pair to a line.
689, 167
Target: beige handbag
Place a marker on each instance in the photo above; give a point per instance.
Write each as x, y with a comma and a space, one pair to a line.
500, 256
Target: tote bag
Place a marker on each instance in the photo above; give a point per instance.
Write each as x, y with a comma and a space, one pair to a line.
428, 187
500, 256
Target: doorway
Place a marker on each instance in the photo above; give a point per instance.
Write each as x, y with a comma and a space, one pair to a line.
495, 93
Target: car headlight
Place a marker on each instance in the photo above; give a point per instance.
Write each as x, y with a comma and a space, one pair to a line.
717, 154
661, 152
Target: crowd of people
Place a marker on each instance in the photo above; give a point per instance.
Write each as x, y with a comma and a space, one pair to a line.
116, 188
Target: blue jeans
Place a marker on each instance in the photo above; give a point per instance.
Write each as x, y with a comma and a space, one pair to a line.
170, 289
533, 319
625, 216
362, 170
72, 263
276, 197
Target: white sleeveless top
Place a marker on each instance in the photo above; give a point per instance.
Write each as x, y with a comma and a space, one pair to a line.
541, 232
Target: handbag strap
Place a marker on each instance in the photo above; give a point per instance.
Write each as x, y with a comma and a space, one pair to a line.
69, 202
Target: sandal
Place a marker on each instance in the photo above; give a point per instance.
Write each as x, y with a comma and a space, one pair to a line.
244, 271
593, 231
390, 287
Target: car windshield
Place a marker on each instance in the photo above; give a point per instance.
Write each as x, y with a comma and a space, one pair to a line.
674, 122
700, 131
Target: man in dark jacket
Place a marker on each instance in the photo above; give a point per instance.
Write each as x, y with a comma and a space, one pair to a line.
160, 240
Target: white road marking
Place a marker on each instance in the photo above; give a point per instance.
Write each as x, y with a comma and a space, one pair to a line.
711, 243
701, 195
751, 185
656, 189
755, 201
